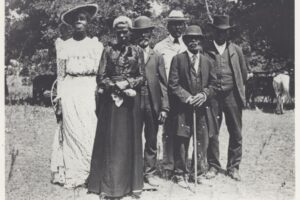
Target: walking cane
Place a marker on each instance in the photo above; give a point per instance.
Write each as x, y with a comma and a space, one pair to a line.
195, 146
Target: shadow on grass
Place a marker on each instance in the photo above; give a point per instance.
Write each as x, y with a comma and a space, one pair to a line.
27, 101
271, 107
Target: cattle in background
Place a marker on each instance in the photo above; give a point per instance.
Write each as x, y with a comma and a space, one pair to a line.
259, 85
281, 83
41, 87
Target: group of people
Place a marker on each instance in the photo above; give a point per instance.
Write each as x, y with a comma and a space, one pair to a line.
108, 95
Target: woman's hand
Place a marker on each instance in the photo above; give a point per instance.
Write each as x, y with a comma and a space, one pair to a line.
58, 110
122, 85
130, 92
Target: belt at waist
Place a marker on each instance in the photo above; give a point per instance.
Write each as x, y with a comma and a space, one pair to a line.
80, 75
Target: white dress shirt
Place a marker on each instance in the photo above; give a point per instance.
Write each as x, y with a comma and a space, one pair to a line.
146, 53
220, 48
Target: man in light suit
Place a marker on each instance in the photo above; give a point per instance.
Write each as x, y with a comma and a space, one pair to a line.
231, 70
173, 43
155, 103
191, 85
169, 47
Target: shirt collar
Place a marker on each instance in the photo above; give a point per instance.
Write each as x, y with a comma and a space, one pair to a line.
220, 46
191, 54
172, 39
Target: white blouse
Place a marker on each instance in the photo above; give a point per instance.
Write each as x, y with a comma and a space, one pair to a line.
81, 57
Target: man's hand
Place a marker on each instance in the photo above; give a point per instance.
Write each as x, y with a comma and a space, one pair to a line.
189, 100
100, 90
198, 99
122, 84
250, 75
162, 117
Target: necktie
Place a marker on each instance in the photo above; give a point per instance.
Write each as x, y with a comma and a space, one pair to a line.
193, 61
176, 41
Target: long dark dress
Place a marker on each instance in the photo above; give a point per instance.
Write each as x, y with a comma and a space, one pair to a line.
117, 163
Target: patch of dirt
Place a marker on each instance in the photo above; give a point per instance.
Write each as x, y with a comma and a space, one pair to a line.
267, 168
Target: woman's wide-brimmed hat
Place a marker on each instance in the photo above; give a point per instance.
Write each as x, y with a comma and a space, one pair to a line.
142, 23
176, 15
68, 16
193, 30
221, 22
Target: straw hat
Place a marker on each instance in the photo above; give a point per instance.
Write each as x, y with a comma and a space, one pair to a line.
176, 15
68, 16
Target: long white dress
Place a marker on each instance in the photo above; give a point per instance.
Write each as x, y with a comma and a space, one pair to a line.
78, 61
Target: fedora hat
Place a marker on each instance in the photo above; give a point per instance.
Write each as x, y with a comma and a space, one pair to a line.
68, 16
142, 23
193, 30
176, 15
221, 22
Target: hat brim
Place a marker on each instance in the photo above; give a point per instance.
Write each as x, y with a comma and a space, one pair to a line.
221, 27
177, 19
142, 28
68, 16
192, 35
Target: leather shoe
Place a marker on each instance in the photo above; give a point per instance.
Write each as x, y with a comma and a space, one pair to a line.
192, 180
181, 181
167, 174
234, 174
136, 195
151, 180
212, 173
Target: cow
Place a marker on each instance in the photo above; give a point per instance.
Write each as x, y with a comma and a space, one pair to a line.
41, 86
281, 87
260, 84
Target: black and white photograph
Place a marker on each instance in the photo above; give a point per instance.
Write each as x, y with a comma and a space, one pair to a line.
149, 99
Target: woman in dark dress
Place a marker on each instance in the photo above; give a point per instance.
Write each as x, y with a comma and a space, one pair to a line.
117, 163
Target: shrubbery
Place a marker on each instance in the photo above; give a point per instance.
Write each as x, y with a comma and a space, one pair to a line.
265, 29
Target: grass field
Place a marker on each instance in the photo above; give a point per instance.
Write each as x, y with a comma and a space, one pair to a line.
267, 169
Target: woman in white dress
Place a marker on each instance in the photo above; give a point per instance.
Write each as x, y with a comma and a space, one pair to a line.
78, 60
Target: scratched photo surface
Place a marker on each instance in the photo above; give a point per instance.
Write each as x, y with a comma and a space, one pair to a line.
263, 29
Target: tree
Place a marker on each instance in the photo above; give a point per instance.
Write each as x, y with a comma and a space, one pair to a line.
265, 29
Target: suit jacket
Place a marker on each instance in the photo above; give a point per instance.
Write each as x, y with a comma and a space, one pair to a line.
157, 82
238, 65
180, 88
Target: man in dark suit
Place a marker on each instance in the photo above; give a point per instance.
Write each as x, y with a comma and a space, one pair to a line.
231, 70
155, 103
191, 84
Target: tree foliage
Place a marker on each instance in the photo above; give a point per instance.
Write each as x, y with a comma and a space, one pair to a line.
265, 29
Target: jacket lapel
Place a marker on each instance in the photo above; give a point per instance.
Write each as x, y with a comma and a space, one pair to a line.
187, 67
233, 59
150, 55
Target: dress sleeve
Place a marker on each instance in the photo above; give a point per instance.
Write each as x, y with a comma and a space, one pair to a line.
103, 81
98, 50
60, 64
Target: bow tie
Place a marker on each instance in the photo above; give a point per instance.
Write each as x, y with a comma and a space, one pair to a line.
176, 41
